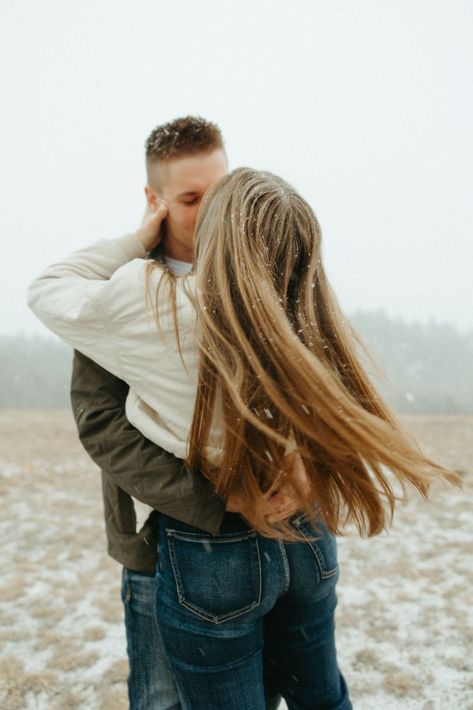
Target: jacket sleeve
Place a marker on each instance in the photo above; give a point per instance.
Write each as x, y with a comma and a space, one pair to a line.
139, 467
68, 297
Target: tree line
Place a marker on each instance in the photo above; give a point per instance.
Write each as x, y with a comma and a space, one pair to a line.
426, 367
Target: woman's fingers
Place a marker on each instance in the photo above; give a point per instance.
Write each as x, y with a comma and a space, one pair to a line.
149, 232
279, 507
282, 514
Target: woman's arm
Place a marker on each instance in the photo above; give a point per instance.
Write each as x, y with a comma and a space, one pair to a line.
92, 294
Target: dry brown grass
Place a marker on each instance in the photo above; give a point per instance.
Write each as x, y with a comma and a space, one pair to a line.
67, 663
116, 673
110, 610
115, 699
68, 701
367, 658
401, 684
16, 683
46, 612
94, 633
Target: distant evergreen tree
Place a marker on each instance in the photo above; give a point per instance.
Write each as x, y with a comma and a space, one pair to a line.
428, 367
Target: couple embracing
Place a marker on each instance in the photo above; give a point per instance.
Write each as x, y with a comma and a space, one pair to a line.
219, 388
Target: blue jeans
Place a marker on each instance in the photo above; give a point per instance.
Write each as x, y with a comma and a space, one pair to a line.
237, 607
150, 683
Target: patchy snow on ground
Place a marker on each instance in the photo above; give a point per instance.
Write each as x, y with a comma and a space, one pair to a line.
404, 618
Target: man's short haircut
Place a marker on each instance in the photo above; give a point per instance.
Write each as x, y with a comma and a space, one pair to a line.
181, 137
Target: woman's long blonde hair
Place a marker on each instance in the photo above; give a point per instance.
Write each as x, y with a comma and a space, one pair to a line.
280, 367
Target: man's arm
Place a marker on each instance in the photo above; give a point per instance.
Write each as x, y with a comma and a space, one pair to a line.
138, 466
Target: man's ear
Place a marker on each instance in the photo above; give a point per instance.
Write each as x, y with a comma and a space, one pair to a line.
151, 197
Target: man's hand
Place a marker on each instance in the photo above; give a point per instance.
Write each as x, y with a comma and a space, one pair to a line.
149, 232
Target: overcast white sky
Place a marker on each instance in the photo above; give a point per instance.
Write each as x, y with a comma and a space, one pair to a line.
364, 105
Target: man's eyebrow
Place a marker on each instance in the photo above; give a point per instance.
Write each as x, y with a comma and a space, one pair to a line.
188, 193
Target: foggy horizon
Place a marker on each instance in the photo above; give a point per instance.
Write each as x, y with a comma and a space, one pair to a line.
38, 330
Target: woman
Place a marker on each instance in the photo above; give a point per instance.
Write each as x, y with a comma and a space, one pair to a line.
277, 392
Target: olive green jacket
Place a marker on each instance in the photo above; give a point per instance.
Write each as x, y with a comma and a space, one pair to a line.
133, 466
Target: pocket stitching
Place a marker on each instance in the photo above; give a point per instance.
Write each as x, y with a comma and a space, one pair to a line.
251, 535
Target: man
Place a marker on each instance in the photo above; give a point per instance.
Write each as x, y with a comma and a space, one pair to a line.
183, 159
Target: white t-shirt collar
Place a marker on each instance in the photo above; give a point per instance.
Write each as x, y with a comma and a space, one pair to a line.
178, 267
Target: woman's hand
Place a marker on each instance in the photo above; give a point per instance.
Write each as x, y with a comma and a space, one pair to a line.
279, 502
282, 496
149, 232
275, 505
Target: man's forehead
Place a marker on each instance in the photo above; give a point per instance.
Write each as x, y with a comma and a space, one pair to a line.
193, 174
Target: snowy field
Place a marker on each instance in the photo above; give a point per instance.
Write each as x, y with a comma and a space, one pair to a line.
404, 619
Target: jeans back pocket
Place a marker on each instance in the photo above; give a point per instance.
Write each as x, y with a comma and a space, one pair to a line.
217, 578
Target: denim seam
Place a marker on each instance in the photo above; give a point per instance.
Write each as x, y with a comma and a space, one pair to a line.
318, 554
260, 573
285, 564
126, 588
198, 537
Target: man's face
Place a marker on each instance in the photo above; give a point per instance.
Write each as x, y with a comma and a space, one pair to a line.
183, 182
